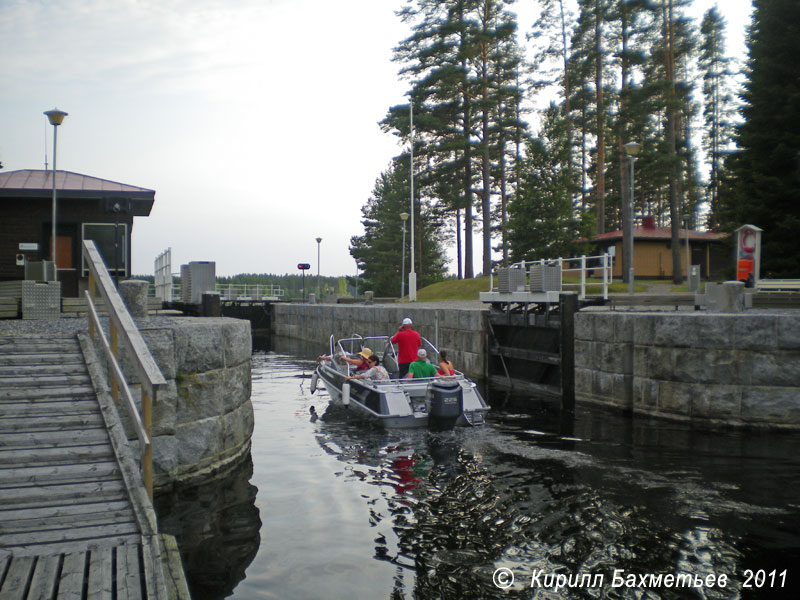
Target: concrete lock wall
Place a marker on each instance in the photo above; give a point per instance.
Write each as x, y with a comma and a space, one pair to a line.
736, 369
203, 419
461, 332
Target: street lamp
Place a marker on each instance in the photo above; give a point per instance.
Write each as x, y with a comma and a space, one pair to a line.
404, 217
631, 149
356, 279
56, 117
319, 241
687, 221
412, 276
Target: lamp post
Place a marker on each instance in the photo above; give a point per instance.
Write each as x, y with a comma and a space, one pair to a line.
404, 218
412, 275
687, 220
319, 241
356, 279
631, 149
56, 117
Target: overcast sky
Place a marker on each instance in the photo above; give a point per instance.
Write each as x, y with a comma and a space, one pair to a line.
254, 120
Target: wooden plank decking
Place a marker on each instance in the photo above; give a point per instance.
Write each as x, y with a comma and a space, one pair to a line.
68, 524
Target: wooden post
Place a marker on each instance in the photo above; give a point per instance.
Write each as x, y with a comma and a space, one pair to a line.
115, 352
568, 306
147, 455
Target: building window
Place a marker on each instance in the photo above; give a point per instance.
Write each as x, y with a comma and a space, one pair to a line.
114, 255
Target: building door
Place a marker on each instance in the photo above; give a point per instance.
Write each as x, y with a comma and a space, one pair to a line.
64, 252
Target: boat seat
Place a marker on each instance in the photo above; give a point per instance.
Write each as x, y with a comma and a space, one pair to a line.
390, 364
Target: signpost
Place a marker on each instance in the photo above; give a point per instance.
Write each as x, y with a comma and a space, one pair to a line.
304, 267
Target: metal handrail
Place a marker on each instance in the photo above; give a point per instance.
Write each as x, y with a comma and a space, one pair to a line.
606, 266
122, 326
234, 291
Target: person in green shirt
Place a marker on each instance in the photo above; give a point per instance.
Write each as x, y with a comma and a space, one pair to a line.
421, 367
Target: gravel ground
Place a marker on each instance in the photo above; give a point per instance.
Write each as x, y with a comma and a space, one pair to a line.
54, 328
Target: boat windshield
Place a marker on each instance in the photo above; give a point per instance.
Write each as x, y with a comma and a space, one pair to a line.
380, 345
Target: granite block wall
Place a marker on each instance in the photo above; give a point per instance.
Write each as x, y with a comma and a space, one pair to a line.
733, 369
461, 332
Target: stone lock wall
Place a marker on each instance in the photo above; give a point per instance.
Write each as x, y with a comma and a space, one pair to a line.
461, 332
734, 369
203, 419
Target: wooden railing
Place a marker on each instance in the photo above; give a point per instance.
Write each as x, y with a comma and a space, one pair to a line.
123, 327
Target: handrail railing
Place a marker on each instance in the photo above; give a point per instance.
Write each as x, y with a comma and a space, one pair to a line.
122, 325
249, 291
602, 262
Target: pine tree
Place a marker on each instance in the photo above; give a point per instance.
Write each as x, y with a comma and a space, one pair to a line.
379, 250
764, 188
542, 223
717, 105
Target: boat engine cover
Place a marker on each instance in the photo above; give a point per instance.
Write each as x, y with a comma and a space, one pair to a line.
446, 402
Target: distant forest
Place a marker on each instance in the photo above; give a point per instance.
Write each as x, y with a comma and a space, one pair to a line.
292, 285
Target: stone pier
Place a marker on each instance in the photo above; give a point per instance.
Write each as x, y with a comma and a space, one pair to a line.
730, 369
203, 420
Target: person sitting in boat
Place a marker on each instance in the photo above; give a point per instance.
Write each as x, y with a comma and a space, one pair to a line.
376, 371
360, 361
421, 367
445, 366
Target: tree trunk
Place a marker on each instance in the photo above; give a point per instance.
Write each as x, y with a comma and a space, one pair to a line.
600, 185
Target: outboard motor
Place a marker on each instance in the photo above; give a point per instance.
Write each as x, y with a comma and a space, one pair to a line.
446, 401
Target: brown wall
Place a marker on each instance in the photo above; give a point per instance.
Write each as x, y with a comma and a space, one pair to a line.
29, 219
654, 259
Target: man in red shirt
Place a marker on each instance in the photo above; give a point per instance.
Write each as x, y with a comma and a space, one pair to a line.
408, 342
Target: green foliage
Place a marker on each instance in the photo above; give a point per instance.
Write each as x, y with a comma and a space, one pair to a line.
463, 65
718, 106
379, 251
764, 189
542, 223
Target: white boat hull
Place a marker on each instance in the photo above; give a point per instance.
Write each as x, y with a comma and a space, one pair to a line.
402, 403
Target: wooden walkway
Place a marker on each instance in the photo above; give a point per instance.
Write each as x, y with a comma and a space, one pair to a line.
70, 526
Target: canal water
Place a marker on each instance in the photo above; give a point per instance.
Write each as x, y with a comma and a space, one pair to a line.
532, 505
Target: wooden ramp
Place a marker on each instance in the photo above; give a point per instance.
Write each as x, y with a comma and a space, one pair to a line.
68, 525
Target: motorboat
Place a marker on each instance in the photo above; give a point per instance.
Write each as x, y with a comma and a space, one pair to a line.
440, 402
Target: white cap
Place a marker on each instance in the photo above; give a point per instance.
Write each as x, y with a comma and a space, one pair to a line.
407, 321
421, 353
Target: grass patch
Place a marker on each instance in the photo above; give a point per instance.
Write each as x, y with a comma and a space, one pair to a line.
454, 289
468, 289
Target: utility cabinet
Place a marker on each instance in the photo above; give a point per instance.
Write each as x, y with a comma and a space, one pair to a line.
545, 278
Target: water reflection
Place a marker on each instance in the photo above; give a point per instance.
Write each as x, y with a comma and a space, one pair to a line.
643, 497
351, 511
217, 526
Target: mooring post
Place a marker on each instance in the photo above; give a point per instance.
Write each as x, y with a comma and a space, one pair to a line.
568, 306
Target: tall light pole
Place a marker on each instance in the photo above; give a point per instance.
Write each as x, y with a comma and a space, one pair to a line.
412, 275
687, 220
631, 149
356, 279
56, 117
319, 241
404, 218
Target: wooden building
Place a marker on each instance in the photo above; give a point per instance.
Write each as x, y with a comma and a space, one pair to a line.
652, 251
88, 208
